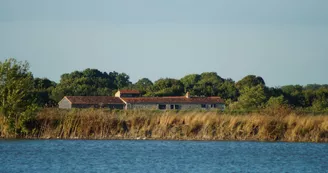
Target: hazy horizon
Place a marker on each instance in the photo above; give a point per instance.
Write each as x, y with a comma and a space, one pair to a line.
285, 42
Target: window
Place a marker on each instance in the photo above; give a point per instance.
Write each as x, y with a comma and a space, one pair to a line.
213, 105
172, 106
203, 105
177, 106
161, 107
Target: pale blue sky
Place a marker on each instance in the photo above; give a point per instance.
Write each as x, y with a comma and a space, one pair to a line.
284, 41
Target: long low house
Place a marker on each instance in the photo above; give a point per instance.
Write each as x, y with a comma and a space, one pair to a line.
69, 102
131, 99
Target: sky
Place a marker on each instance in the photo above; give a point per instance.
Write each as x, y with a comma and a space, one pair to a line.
284, 42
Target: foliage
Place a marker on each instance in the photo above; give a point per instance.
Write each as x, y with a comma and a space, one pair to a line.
276, 101
144, 85
294, 95
209, 84
42, 92
16, 84
249, 93
168, 87
90, 82
250, 81
250, 98
121, 80
228, 90
320, 99
189, 82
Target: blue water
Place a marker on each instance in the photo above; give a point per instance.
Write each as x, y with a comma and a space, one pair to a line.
160, 156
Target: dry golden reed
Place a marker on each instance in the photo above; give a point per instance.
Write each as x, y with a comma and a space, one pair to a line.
172, 125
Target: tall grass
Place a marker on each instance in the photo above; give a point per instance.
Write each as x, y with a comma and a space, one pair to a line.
182, 125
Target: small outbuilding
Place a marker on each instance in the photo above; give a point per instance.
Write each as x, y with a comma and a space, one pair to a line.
69, 102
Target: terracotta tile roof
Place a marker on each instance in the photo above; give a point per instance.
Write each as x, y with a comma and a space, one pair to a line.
94, 100
169, 100
129, 92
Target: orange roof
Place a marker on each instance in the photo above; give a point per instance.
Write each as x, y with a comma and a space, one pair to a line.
129, 92
169, 100
94, 100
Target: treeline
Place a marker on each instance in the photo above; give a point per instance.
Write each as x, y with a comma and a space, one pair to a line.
250, 93
247, 94
21, 95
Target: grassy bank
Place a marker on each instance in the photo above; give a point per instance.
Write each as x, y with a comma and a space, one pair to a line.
195, 125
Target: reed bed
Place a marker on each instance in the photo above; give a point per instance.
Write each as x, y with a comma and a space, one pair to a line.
173, 125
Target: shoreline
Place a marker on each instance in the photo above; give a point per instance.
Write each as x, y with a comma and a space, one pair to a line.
151, 139
97, 124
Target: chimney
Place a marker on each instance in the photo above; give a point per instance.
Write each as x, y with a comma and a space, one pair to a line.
187, 95
118, 93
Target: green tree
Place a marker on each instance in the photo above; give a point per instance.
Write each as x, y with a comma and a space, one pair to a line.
294, 94
189, 82
250, 98
228, 90
168, 87
90, 82
274, 92
315, 96
319, 104
275, 102
250, 81
122, 80
314, 87
309, 96
42, 91
209, 84
16, 84
320, 100
144, 85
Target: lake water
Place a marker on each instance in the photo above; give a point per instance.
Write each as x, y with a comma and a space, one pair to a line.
160, 156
